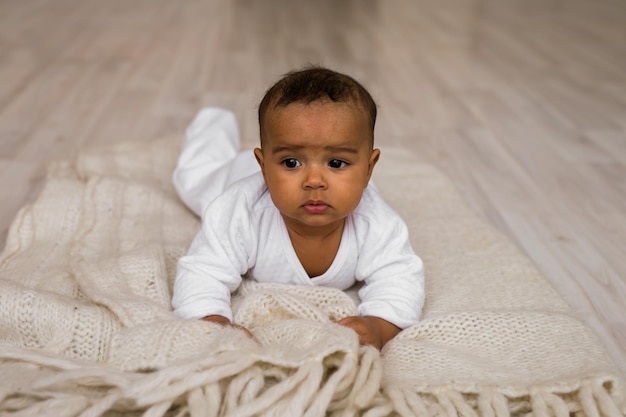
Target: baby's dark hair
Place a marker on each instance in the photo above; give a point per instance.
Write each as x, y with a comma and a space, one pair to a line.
317, 84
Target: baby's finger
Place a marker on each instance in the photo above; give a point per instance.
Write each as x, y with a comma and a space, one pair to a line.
243, 329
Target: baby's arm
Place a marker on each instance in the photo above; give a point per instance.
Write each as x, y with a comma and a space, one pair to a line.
211, 270
393, 295
372, 330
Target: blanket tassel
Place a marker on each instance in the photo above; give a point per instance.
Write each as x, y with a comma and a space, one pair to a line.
492, 403
205, 401
596, 401
300, 386
453, 404
407, 403
336, 385
546, 404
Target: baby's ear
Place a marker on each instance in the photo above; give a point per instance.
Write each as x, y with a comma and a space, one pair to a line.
372, 162
258, 154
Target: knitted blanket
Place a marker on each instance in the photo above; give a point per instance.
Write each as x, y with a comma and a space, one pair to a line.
86, 326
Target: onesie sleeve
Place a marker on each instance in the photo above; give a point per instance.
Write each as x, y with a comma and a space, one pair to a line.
212, 268
392, 273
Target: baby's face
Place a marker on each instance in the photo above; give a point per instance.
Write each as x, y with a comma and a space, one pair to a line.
316, 159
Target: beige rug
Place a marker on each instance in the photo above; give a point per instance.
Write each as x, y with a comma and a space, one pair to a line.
86, 327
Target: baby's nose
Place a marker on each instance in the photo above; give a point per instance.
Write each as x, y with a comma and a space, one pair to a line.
314, 178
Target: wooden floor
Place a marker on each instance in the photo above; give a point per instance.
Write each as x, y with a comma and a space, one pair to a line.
521, 102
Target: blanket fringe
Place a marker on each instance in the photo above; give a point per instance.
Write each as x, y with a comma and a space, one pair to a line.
229, 383
546, 404
592, 398
607, 405
492, 403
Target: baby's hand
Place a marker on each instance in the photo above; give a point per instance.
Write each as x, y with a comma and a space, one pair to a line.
372, 330
225, 322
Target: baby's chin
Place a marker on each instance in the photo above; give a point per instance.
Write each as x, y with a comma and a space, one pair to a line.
314, 221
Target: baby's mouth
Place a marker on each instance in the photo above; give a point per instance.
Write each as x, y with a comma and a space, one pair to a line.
315, 207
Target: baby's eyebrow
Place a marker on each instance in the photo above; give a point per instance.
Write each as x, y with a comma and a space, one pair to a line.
292, 148
289, 148
347, 149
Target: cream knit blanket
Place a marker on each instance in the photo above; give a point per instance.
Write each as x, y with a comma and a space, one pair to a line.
86, 327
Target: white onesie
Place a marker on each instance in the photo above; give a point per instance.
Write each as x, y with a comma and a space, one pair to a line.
243, 234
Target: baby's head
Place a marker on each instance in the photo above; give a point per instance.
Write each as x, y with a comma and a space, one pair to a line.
317, 147
317, 85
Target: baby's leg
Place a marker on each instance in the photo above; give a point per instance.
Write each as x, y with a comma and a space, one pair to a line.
210, 159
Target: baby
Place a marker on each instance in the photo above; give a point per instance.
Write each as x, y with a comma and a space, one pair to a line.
309, 217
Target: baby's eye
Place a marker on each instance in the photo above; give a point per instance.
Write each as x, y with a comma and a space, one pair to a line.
337, 163
291, 163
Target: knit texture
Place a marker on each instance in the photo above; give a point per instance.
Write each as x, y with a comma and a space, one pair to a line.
86, 326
